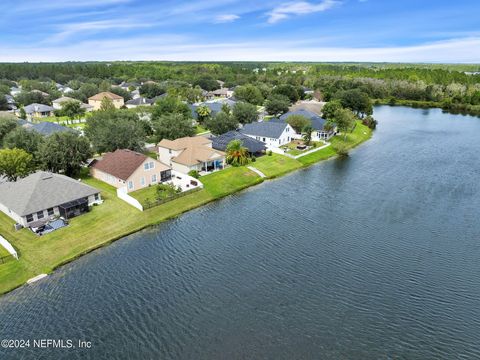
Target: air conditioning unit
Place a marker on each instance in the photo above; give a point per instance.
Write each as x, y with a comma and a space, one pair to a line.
18, 226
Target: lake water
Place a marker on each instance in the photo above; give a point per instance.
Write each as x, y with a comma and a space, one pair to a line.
373, 257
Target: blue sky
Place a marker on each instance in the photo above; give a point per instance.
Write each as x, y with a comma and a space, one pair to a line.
225, 30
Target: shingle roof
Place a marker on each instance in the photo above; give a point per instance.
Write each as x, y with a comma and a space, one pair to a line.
140, 101
64, 99
122, 163
195, 150
29, 109
317, 121
269, 129
42, 190
105, 94
254, 146
48, 128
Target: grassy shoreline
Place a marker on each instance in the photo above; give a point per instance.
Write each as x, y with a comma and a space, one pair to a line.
115, 219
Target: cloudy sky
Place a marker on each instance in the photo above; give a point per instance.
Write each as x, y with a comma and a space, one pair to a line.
224, 30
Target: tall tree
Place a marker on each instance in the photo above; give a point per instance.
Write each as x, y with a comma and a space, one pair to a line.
15, 163
298, 122
172, 126
249, 93
330, 108
245, 113
24, 139
7, 124
221, 123
112, 130
170, 105
277, 104
345, 120
64, 152
73, 109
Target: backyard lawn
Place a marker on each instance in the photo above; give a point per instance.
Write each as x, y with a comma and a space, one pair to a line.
275, 165
103, 224
115, 218
228, 181
200, 129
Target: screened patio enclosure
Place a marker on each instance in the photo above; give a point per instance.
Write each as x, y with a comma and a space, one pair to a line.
73, 208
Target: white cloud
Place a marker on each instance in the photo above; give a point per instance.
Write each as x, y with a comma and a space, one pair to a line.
286, 10
225, 18
180, 48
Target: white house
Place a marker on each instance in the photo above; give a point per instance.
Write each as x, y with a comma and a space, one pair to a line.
318, 124
271, 133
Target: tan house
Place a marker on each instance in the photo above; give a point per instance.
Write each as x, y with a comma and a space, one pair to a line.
130, 170
96, 100
191, 153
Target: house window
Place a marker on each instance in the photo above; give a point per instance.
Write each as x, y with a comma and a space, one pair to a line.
130, 185
30, 218
40, 215
96, 197
169, 151
165, 175
152, 165
154, 178
264, 139
145, 166
142, 181
50, 212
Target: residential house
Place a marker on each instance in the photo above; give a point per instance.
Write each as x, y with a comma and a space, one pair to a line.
318, 124
38, 111
129, 169
63, 88
43, 93
42, 196
271, 133
214, 106
57, 103
254, 146
128, 85
14, 91
222, 92
96, 100
191, 153
140, 101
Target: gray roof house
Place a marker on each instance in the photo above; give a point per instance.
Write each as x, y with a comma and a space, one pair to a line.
38, 110
253, 145
318, 124
271, 133
140, 101
41, 196
317, 121
48, 128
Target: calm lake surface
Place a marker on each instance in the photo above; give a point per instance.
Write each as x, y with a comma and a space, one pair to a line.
372, 257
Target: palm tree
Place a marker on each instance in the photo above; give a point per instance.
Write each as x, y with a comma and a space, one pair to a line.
307, 134
237, 154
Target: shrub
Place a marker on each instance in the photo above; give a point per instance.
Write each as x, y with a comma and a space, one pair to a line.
269, 152
253, 158
194, 173
341, 149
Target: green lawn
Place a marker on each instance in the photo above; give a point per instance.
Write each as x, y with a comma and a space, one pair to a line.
228, 181
152, 154
200, 129
115, 218
275, 165
105, 223
3, 251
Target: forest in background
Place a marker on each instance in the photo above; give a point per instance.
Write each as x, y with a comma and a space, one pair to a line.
453, 87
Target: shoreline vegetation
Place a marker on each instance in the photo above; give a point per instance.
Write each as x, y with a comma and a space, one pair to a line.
115, 219
452, 108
